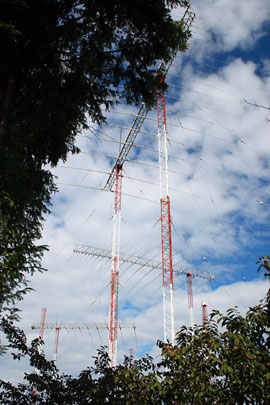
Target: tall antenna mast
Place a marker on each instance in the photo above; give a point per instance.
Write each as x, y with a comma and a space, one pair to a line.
130, 355
41, 337
190, 300
42, 323
204, 313
56, 342
165, 218
112, 346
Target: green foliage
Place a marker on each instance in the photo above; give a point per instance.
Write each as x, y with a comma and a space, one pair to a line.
128, 383
131, 382
74, 58
20, 227
264, 262
62, 62
6, 29
225, 361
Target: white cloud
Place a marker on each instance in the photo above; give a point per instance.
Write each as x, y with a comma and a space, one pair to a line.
228, 25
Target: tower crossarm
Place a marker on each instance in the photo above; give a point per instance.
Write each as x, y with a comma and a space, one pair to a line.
92, 251
195, 273
77, 325
127, 145
140, 261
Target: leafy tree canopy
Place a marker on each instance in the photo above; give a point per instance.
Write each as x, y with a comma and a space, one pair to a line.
61, 63
72, 59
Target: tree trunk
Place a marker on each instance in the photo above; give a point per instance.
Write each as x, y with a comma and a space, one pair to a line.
7, 108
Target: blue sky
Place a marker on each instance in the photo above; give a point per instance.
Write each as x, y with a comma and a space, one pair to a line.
219, 172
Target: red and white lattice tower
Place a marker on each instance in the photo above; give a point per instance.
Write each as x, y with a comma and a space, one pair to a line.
204, 313
131, 355
190, 300
113, 323
41, 337
165, 219
56, 342
42, 323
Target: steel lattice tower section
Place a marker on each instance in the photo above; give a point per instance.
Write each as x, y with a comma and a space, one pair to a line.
113, 322
204, 313
165, 219
190, 300
42, 323
115, 178
41, 338
56, 342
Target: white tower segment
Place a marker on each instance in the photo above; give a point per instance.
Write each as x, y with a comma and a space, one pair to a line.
112, 345
204, 313
190, 300
56, 343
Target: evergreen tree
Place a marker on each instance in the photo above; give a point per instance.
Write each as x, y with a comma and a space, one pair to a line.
63, 63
